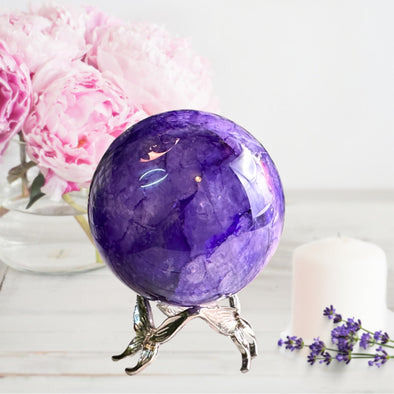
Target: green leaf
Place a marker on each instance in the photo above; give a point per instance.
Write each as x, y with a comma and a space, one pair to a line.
35, 190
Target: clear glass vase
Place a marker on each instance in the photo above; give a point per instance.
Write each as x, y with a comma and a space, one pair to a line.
50, 237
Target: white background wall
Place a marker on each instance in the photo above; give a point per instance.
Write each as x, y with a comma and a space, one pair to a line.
312, 80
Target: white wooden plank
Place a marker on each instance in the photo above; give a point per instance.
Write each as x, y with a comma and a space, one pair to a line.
199, 374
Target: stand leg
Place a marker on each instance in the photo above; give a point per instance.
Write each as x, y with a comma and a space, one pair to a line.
148, 338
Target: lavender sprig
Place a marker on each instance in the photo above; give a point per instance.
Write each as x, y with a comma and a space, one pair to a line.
344, 338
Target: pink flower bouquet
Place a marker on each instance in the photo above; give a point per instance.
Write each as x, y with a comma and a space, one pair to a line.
73, 78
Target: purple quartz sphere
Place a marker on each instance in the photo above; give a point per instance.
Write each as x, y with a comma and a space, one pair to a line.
186, 207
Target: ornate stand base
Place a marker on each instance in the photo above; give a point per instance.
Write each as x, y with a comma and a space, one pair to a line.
223, 319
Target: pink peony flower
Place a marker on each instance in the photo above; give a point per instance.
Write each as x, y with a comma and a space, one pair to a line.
39, 39
95, 21
82, 20
76, 114
61, 15
15, 95
159, 71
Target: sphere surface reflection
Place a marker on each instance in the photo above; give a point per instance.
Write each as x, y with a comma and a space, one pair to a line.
186, 207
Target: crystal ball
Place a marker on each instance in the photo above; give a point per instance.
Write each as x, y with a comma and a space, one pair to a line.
186, 207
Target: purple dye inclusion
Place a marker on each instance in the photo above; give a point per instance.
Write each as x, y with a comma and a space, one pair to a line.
186, 207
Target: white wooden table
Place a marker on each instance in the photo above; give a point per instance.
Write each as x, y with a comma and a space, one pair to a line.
57, 333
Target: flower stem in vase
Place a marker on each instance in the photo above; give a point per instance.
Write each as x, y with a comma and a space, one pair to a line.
3, 211
22, 154
81, 219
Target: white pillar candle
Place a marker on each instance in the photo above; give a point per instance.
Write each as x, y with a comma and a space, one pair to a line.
347, 273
